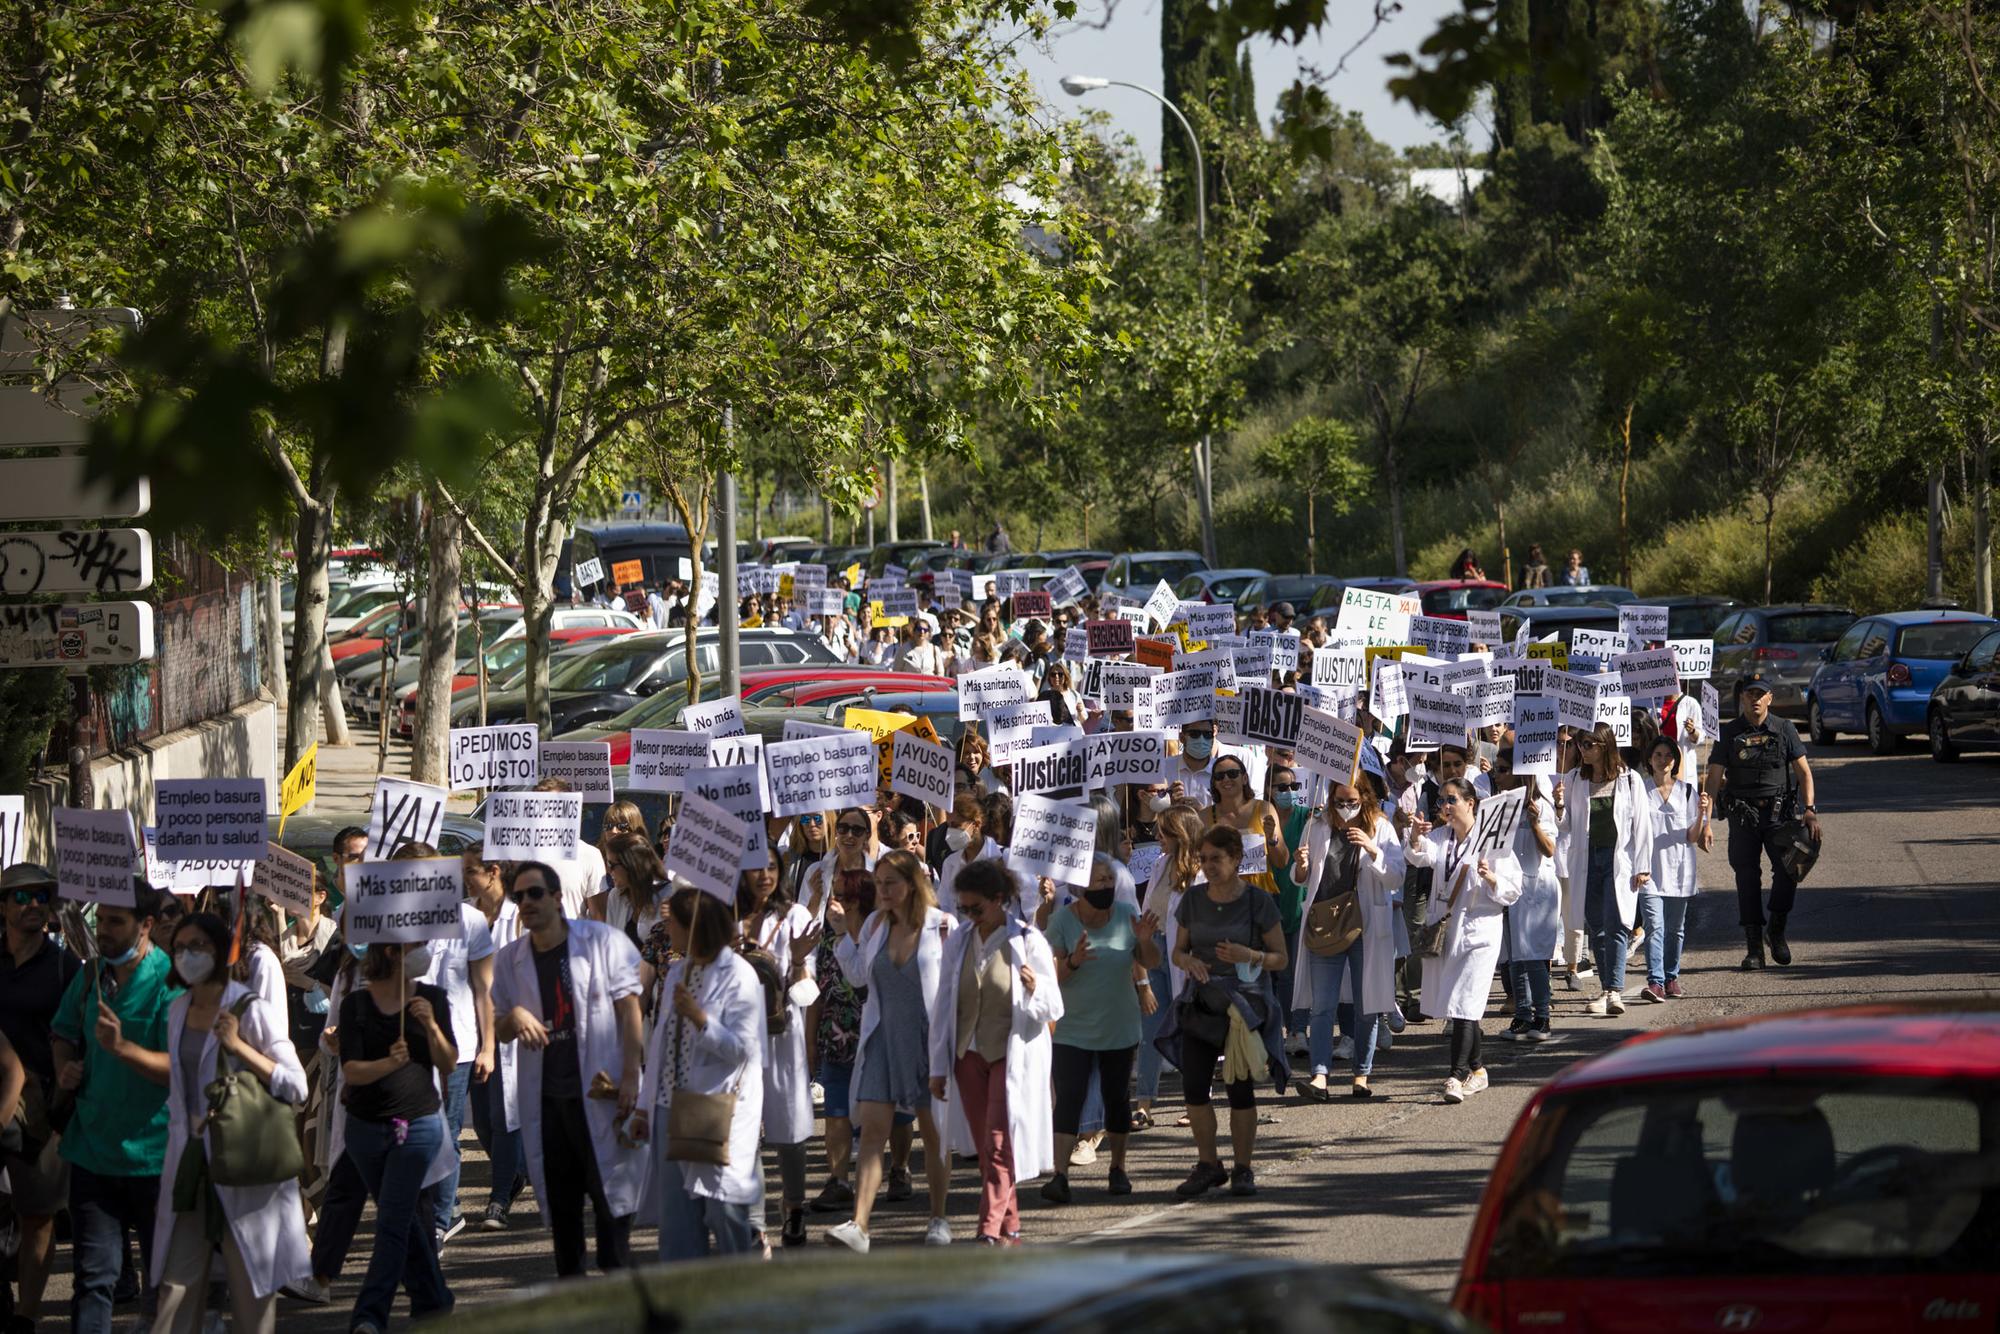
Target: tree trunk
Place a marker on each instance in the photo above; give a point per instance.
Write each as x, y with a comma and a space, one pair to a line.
1982, 520
924, 494
889, 495
1506, 554
273, 603
1624, 488
1934, 536
312, 548
756, 509
541, 549
825, 521
1770, 520
1392, 473
1312, 536
447, 559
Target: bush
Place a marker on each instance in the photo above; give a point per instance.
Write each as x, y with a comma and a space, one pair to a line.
1724, 553
1886, 567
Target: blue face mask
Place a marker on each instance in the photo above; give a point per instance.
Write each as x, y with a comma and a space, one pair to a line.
120, 960
358, 951
1200, 747
1248, 972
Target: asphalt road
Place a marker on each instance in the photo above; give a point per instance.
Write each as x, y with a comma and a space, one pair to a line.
1905, 902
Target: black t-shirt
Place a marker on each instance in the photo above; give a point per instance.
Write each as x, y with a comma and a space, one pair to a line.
367, 1034
1757, 759
562, 1072
29, 995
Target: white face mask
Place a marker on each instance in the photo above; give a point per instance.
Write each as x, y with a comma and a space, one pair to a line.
1159, 801
195, 966
416, 960
1348, 811
958, 840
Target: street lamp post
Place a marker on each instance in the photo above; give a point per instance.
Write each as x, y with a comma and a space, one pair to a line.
1076, 85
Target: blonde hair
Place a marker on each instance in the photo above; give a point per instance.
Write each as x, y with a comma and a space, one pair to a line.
910, 869
1182, 821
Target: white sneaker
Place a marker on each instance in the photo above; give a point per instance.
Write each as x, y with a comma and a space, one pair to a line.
849, 1235
818, 1094
938, 1233
1638, 944
1343, 1050
1454, 1092
1477, 1083
1085, 1152
1607, 1003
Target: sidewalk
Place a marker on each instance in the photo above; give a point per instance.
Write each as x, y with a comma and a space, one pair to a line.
347, 774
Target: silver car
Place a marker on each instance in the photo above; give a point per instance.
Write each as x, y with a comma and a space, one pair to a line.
1780, 644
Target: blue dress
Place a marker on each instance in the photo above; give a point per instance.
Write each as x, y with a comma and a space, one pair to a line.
898, 1066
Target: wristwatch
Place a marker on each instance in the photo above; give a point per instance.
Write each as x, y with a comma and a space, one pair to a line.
1812, 810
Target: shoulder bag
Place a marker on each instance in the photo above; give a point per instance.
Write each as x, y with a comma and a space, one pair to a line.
698, 1123
1429, 941
1333, 924
253, 1137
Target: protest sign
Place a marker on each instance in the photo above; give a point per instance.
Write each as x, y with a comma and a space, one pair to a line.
403, 902
1489, 702
1053, 838
1379, 618
1108, 639
921, 769
1229, 719
96, 857
1154, 653
584, 765
892, 575
1440, 634
187, 877
1223, 660
1526, 672
502, 756
1144, 716
806, 577
1328, 746
1027, 605
826, 602
1066, 588
1251, 666
1458, 677
1340, 703
1271, 717
1283, 646
1337, 669
1496, 820
727, 751
1205, 620
1437, 718
1145, 856
1616, 710
1006, 583
820, 773
286, 879
1552, 651
1388, 697
1051, 768
1253, 862
706, 848
720, 717
661, 757
1183, 697
1160, 606
1575, 696
1010, 729
1650, 674
1694, 659
13, 829
1112, 758
1603, 645
627, 572
735, 790
589, 573
1120, 678
403, 812
895, 603
1642, 625
301, 785
1536, 723
210, 818
1483, 627
1076, 644
533, 826
983, 691
1711, 713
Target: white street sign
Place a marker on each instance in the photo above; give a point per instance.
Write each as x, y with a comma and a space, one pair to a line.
54, 488
76, 560
75, 634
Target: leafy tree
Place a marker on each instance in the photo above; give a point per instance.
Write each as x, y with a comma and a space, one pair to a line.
1316, 456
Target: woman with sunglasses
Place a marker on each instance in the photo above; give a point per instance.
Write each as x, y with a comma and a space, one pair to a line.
1677, 811
621, 818
1470, 893
1351, 849
787, 932
1605, 811
805, 844
898, 956
851, 861
1238, 807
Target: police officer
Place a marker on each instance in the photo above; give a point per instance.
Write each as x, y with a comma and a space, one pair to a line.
1758, 776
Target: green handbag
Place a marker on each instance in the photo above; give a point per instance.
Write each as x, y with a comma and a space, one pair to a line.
253, 1137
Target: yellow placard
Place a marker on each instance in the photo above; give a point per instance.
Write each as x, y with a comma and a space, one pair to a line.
785, 587
879, 621
1557, 654
882, 727
1188, 645
853, 573
301, 783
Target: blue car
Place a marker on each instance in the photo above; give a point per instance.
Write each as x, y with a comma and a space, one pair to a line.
1878, 678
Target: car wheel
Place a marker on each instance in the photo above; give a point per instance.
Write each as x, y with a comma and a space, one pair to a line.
1880, 741
1816, 727
1942, 750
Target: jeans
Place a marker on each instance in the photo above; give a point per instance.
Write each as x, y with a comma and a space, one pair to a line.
453, 1111
1608, 934
982, 1091
101, 1210
1752, 826
1665, 920
339, 1217
1150, 1060
569, 1167
502, 1146
688, 1220
1531, 990
1329, 973
405, 1246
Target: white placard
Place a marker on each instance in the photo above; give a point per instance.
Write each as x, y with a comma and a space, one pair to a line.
821, 773
1496, 819
1066, 588
1458, 677
661, 758
1076, 644
1526, 672
1711, 713
1617, 711
1440, 634
1185, 696
1389, 697
1489, 702
584, 765
502, 756
403, 812
1694, 659
1006, 583
533, 826
1206, 620
706, 848
1642, 625
96, 856
719, 717
735, 789
1651, 674
211, 818
1248, 664
1483, 627
895, 601
989, 688
1328, 745
1112, 758
1379, 618
826, 601
286, 879
589, 573
1121, 679
1051, 768
1053, 838
921, 769
1536, 724
187, 877
1338, 669
797, 729
403, 902
13, 829
728, 751
1575, 696
1160, 607
1437, 718
1603, 645
1280, 646
1254, 861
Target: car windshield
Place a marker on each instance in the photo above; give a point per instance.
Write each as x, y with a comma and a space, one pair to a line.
1695, 620
1940, 639
1818, 1176
1170, 568
1807, 627
613, 667
1461, 599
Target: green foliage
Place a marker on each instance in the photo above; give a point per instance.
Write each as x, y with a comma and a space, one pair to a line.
1886, 567
31, 703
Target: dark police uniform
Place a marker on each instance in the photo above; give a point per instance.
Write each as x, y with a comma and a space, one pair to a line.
1758, 798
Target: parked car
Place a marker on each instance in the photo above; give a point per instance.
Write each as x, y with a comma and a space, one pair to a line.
976, 1290
311, 837
1216, 585
1965, 708
1561, 622
886, 554
1135, 573
1878, 679
360, 677
1563, 595
1452, 598
1695, 615
1297, 589
771, 686
1326, 598
466, 675
1810, 1171
662, 550
1781, 644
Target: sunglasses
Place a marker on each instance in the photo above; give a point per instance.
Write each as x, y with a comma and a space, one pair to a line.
1289, 787
852, 830
1447, 801
535, 892
1198, 736
812, 819
1228, 775
1587, 743
24, 897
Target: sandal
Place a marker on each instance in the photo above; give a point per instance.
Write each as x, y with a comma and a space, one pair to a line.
1142, 1118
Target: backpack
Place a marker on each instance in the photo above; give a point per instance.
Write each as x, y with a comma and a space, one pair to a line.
777, 1004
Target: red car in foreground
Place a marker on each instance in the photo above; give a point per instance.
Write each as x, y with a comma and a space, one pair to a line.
1819, 1171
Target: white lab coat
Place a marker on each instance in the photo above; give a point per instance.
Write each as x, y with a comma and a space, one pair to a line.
1534, 922
788, 1104
1030, 1116
1027, 888
1378, 889
265, 1221
1462, 975
819, 881
267, 979
1670, 857
857, 957
728, 1054
604, 969
505, 929
1633, 851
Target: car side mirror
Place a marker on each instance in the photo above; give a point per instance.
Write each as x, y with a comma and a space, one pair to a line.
1826, 654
